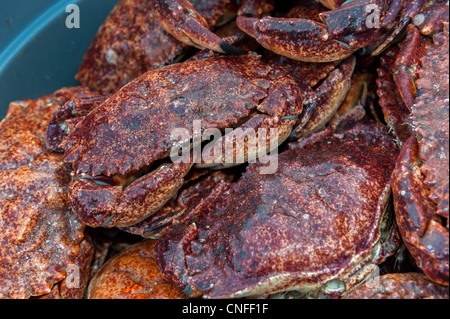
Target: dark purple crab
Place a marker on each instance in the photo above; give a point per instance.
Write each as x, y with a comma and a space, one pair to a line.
45, 252
319, 225
413, 89
131, 41
336, 34
120, 150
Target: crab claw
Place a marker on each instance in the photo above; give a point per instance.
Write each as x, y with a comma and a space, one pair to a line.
67, 117
182, 21
123, 201
330, 95
298, 39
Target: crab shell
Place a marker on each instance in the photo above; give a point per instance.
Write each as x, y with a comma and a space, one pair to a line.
398, 73
420, 180
132, 274
40, 235
131, 41
399, 286
74, 286
126, 136
318, 224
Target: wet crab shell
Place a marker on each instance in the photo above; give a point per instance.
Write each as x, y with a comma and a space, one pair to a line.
132, 274
131, 135
132, 128
131, 42
314, 225
399, 286
74, 286
40, 235
128, 43
420, 180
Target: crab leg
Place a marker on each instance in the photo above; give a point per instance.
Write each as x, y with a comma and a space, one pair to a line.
182, 21
330, 95
263, 132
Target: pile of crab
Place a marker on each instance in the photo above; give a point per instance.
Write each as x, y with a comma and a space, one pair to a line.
145, 182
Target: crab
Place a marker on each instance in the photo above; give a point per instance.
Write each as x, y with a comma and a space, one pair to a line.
319, 225
181, 19
395, 110
200, 184
400, 65
417, 110
131, 41
266, 97
120, 151
399, 286
132, 274
336, 34
42, 239
309, 33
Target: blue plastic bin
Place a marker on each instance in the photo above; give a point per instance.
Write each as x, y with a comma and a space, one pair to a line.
38, 52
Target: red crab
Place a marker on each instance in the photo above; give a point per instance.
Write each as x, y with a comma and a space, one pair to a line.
131, 41
399, 286
119, 145
132, 274
420, 180
45, 252
318, 225
335, 34
120, 150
